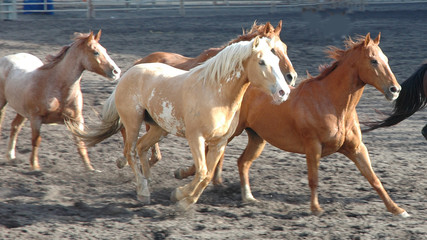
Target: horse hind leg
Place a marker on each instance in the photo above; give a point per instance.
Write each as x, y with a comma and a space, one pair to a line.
363, 163
155, 152
143, 145
81, 146
16, 127
2, 112
35, 141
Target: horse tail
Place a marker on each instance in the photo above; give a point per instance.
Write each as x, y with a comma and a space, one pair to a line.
411, 99
110, 124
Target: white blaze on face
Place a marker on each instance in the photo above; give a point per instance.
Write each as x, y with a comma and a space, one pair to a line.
111, 62
281, 89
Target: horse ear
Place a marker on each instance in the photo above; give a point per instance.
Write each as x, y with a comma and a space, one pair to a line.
268, 27
367, 39
278, 28
90, 37
98, 35
377, 40
256, 42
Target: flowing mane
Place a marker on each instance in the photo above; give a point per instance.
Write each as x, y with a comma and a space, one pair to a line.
256, 30
336, 54
227, 64
52, 60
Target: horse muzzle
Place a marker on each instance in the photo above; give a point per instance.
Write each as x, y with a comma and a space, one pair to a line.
115, 73
392, 93
280, 94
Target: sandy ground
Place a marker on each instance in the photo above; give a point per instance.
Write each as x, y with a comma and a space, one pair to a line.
66, 202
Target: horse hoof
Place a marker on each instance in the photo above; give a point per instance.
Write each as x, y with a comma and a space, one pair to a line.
121, 162
183, 205
404, 214
144, 199
250, 200
317, 212
178, 174
176, 195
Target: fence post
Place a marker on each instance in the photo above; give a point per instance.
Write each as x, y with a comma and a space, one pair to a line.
8, 9
90, 10
181, 8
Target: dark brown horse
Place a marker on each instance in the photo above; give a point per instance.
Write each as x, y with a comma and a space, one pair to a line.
412, 98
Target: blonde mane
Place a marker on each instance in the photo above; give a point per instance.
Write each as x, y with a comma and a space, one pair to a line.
227, 64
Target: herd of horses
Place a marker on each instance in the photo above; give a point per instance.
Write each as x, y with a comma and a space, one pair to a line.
248, 84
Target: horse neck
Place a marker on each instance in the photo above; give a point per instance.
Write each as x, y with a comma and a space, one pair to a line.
231, 92
344, 87
67, 73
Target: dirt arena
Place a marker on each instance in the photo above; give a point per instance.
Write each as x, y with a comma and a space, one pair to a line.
66, 202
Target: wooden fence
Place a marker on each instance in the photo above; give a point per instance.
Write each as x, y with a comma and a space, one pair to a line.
11, 9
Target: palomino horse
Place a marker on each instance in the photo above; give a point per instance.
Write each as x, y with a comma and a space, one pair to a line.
186, 63
319, 118
412, 98
50, 93
199, 105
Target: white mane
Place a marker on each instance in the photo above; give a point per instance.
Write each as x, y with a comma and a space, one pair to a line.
228, 63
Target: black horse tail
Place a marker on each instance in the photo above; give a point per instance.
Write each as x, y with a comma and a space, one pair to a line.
411, 99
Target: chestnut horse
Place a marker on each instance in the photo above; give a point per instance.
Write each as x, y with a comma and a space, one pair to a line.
412, 98
50, 93
199, 105
186, 63
319, 118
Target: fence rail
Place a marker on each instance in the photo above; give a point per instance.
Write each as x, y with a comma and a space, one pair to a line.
10, 9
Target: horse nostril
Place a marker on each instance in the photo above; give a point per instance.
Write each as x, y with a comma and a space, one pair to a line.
394, 89
289, 77
282, 93
115, 71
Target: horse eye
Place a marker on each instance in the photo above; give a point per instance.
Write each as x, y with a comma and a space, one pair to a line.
273, 51
374, 62
96, 53
262, 62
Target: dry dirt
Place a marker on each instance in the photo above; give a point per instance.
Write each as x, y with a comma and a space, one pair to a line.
66, 202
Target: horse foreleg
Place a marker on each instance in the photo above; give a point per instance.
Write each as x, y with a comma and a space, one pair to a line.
361, 158
212, 157
35, 141
197, 146
313, 154
16, 127
252, 151
81, 146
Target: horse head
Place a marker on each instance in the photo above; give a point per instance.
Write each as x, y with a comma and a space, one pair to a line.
373, 68
265, 71
96, 58
281, 50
